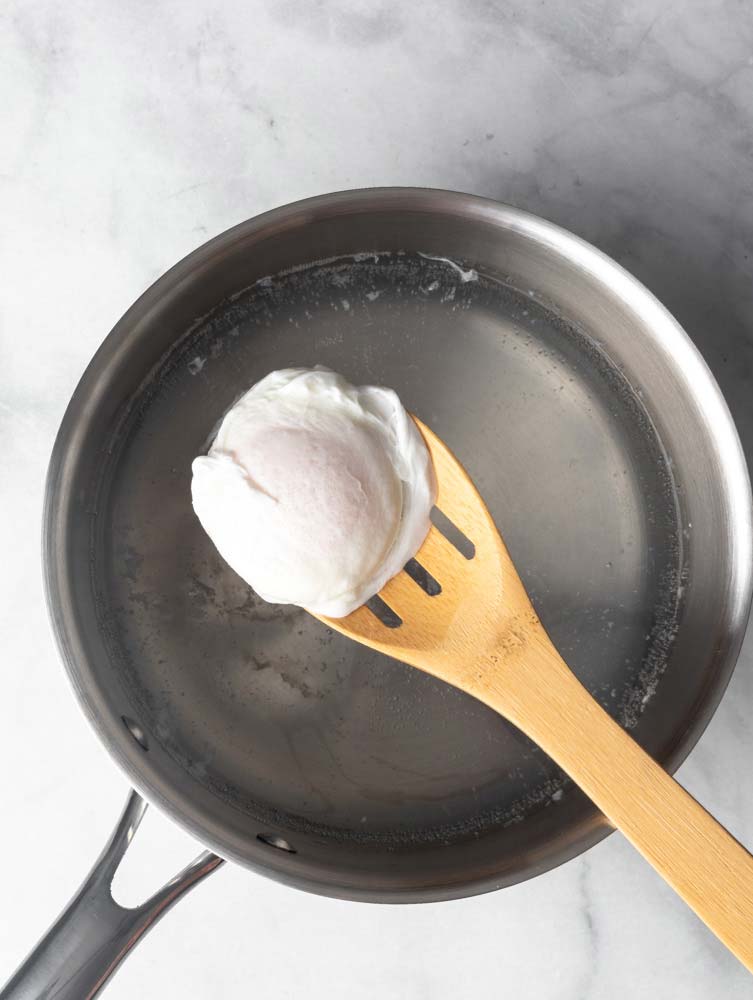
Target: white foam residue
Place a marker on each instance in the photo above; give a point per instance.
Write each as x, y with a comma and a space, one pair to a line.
196, 364
650, 692
470, 275
373, 296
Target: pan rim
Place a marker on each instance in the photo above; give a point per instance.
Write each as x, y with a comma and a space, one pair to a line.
670, 337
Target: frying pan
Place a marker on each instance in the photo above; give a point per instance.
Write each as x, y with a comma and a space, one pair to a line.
602, 446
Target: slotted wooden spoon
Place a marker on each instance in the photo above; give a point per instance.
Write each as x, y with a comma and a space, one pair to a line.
482, 635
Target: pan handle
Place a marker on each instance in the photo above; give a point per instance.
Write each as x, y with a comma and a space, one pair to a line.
92, 936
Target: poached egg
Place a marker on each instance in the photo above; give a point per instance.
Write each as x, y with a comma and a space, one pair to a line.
316, 492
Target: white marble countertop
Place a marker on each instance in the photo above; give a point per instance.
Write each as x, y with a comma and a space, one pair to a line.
131, 133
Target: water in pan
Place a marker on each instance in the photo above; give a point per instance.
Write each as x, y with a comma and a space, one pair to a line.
296, 724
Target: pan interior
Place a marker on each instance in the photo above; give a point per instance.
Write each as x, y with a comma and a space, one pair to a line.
294, 726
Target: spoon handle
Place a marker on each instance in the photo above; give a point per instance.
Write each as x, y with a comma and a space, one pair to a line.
702, 862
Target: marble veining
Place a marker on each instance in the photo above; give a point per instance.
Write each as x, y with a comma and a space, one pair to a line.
133, 132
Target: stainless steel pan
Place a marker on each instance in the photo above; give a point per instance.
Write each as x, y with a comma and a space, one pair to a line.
602, 446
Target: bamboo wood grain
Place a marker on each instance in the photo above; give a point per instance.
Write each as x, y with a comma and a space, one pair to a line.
482, 635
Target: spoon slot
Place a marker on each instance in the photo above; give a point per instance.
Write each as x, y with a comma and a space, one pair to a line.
452, 533
423, 578
383, 612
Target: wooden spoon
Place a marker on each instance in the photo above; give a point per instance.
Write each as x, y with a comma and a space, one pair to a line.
482, 635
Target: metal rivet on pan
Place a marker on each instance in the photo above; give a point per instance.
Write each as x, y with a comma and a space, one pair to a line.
272, 840
136, 731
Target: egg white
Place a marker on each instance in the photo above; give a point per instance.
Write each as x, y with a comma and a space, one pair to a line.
316, 492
